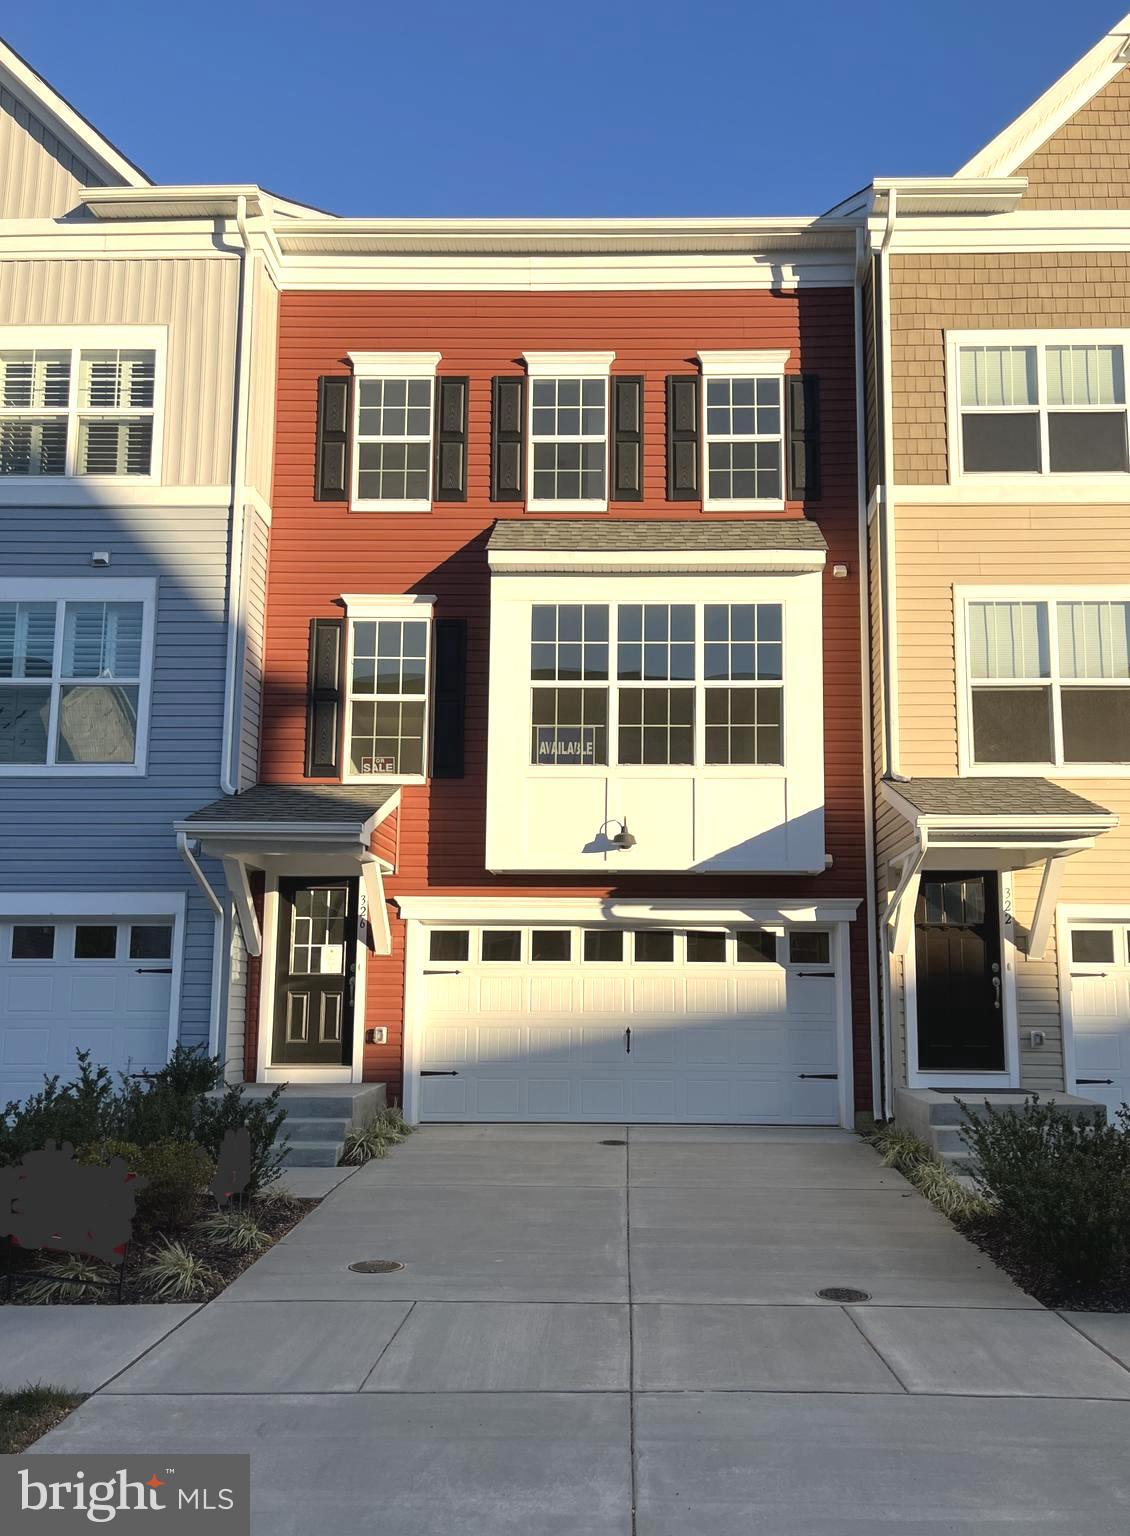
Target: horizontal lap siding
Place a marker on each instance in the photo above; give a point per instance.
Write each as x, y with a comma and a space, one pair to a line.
319, 550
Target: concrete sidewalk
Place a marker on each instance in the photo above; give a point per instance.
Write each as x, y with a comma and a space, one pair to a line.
594, 1338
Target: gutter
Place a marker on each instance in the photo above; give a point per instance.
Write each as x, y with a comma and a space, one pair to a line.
888, 610
189, 857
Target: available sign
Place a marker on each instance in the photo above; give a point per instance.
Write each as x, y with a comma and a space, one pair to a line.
184, 1495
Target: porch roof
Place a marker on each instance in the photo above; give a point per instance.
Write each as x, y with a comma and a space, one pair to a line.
270, 807
978, 798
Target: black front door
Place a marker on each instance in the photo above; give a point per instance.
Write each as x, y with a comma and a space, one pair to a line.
317, 950
958, 961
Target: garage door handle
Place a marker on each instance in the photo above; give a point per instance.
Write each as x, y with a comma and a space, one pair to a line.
1094, 1079
441, 973
825, 1077
628, 1041
827, 975
1085, 974
154, 970
439, 1074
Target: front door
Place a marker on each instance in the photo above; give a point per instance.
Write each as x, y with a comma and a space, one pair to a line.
317, 952
958, 967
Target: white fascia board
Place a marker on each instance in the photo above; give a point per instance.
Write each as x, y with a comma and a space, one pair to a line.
408, 365
746, 364
677, 561
923, 195
580, 909
1048, 113
92, 903
366, 604
573, 365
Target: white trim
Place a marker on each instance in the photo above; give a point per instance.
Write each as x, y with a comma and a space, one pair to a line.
743, 365
48, 491
88, 589
568, 365
760, 363
397, 365
398, 609
1016, 143
239, 888
1069, 915
390, 366
1051, 595
1019, 491
524, 910
365, 605
721, 562
117, 904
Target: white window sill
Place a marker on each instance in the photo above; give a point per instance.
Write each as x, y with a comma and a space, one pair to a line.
566, 506
72, 770
390, 506
383, 778
713, 504
1046, 771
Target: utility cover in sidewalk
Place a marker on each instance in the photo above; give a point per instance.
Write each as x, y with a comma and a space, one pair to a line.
614, 1143
843, 1293
376, 1266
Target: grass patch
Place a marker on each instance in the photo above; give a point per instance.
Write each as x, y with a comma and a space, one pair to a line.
30, 1413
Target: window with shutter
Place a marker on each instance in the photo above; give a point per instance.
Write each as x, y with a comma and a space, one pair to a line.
388, 689
744, 466
393, 420
568, 430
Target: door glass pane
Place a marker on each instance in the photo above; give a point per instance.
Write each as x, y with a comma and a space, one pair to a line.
551, 944
33, 941
813, 948
502, 944
756, 947
1093, 946
706, 948
96, 941
1012, 725
606, 944
1096, 725
655, 946
450, 944
318, 934
150, 941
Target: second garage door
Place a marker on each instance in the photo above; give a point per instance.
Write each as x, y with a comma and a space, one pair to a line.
620, 1025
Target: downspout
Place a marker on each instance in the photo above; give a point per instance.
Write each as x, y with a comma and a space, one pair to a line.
887, 507
863, 575
240, 398
214, 902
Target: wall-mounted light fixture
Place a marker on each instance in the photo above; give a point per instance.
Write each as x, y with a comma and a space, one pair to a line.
623, 838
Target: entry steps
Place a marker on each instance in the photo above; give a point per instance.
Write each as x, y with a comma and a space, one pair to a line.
319, 1116
935, 1116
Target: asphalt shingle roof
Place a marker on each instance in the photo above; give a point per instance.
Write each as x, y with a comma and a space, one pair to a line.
345, 803
992, 797
586, 535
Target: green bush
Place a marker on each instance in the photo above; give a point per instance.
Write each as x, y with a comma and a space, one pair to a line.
1060, 1185
77, 1112
176, 1174
263, 1119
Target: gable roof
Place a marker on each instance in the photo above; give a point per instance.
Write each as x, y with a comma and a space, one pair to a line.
1004, 155
66, 122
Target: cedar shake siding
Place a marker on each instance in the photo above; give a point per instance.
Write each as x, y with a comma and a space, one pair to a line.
320, 549
1086, 163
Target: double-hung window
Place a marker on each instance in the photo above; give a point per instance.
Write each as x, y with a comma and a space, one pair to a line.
688, 684
389, 669
1048, 680
743, 442
568, 429
1048, 405
74, 676
394, 415
73, 409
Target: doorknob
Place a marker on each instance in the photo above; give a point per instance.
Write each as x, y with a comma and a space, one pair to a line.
996, 991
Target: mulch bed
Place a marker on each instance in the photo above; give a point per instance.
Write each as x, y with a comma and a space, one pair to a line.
274, 1217
987, 1235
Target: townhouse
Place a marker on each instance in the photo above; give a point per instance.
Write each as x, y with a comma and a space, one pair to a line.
999, 480
561, 810
136, 369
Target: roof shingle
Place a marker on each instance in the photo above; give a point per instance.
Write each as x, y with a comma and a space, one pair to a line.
266, 803
587, 535
992, 797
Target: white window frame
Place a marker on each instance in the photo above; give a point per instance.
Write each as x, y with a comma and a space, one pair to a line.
741, 365
1056, 768
76, 340
698, 686
1069, 483
88, 589
567, 365
399, 609
391, 365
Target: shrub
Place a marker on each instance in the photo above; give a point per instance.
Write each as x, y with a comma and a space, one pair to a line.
77, 1112
176, 1174
387, 1128
263, 1119
172, 1273
234, 1232
67, 1277
1061, 1186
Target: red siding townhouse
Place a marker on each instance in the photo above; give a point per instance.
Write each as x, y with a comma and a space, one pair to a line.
562, 804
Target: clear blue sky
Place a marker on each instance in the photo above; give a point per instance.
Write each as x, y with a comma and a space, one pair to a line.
601, 107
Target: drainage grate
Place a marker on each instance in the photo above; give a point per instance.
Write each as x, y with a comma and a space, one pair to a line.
843, 1293
376, 1266
613, 1143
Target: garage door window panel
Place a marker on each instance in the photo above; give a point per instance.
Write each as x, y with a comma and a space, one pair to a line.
604, 946
33, 941
654, 946
453, 944
1092, 946
810, 947
96, 941
551, 945
706, 948
754, 946
150, 941
501, 946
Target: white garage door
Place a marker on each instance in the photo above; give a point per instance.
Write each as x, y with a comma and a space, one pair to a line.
1099, 970
100, 985
606, 1024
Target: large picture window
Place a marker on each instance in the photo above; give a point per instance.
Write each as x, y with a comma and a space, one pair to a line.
74, 678
1048, 680
70, 410
691, 684
1048, 405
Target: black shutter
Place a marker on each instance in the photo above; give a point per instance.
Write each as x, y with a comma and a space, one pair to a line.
451, 440
331, 471
802, 426
627, 439
450, 698
323, 700
682, 437
508, 436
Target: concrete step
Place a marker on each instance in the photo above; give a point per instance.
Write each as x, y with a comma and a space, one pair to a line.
316, 1129
948, 1138
356, 1105
313, 1154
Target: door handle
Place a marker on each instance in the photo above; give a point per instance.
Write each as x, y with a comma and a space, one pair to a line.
154, 970
996, 991
428, 972
426, 1073
628, 1041
825, 1077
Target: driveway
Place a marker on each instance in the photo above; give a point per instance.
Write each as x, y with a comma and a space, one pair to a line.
600, 1331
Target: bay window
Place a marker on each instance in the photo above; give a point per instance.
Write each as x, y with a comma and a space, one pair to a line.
1048, 680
